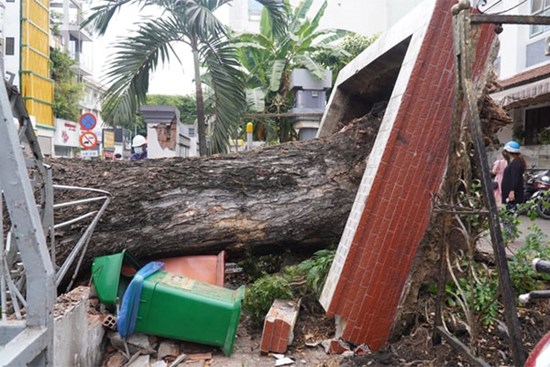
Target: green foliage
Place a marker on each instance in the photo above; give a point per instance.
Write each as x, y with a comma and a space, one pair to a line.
67, 91
335, 58
476, 293
257, 266
260, 295
292, 282
544, 136
185, 104
317, 269
524, 277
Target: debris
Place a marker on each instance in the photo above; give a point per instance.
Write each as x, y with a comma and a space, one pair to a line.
278, 331
159, 364
110, 322
168, 348
178, 360
140, 361
135, 343
335, 346
232, 268
200, 363
117, 360
199, 356
362, 350
284, 361
133, 358
312, 344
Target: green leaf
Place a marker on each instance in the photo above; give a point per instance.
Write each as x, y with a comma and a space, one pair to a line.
276, 75
255, 99
317, 70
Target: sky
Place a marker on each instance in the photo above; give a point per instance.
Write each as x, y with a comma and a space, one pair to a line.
177, 79
171, 79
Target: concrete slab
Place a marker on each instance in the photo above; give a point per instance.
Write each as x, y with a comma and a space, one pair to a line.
78, 338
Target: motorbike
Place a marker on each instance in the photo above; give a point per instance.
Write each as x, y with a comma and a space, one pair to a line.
537, 185
540, 355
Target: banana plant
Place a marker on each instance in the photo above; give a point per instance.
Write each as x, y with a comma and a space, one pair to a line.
269, 57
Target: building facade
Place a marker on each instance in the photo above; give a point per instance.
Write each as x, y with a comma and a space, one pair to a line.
364, 17
67, 16
27, 62
523, 68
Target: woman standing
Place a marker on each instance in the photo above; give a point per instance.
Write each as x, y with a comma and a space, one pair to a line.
497, 171
512, 178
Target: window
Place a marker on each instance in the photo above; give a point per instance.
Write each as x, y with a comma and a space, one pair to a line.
254, 10
10, 46
539, 7
10, 1
536, 122
191, 132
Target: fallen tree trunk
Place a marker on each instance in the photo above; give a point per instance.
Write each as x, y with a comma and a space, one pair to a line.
289, 195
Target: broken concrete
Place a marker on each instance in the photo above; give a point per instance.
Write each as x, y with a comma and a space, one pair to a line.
413, 62
168, 348
78, 337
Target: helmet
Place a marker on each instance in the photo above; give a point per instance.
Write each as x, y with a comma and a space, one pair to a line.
138, 141
512, 147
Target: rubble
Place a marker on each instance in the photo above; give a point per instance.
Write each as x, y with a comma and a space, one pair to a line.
278, 331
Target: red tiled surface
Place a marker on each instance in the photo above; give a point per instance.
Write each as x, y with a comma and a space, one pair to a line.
396, 216
278, 326
528, 76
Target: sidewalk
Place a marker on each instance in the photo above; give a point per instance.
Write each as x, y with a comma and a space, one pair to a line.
484, 244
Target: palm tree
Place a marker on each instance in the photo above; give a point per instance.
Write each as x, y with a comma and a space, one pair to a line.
193, 23
269, 59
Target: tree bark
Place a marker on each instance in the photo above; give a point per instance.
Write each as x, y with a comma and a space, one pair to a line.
290, 195
199, 98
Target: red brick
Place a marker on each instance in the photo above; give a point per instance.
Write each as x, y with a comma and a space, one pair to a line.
337, 346
278, 326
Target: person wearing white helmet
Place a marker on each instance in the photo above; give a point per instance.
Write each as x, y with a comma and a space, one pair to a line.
139, 144
512, 178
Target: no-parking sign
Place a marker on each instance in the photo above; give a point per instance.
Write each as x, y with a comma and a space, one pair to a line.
88, 140
87, 121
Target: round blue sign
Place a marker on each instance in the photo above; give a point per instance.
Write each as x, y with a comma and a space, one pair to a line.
87, 121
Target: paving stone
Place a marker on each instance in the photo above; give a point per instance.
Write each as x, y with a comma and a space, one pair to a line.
135, 343
168, 348
141, 361
117, 360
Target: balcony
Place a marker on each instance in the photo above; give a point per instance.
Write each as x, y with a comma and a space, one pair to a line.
84, 63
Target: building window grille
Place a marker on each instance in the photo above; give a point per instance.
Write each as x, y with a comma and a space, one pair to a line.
539, 7
10, 46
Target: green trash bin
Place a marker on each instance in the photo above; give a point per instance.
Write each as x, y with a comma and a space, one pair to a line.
171, 305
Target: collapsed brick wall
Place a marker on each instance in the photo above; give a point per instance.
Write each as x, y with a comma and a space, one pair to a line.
406, 166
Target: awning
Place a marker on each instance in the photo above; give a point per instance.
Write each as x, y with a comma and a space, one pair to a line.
524, 95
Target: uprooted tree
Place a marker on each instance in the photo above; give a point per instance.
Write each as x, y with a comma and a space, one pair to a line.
296, 195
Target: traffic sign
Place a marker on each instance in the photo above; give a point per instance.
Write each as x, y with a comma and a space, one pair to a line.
87, 121
89, 154
88, 140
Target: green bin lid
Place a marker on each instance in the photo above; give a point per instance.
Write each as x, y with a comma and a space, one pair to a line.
106, 275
